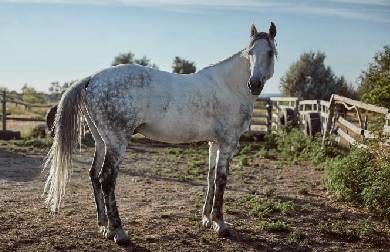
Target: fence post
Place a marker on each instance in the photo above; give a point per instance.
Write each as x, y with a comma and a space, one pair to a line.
269, 116
4, 117
329, 120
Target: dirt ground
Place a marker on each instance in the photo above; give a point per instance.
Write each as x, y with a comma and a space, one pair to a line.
271, 205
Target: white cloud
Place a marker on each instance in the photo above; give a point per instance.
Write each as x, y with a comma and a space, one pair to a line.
351, 9
364, 2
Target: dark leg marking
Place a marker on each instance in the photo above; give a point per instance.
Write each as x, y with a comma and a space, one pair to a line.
97, 191
108, 179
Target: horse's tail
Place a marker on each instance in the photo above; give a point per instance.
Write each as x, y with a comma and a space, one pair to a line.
67, 127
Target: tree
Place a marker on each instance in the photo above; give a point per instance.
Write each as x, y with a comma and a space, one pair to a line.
309, 78
128, 58
56, 89
123, 58
30, 95
183, 66
374, 84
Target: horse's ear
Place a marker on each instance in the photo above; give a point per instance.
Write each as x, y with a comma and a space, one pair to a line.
253, 30
272, 30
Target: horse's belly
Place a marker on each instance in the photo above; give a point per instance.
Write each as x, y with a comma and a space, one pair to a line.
175, 133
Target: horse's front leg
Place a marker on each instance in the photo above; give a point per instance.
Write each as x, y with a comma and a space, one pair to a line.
223, 158
208, 204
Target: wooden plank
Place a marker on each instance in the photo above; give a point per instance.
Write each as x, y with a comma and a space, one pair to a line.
324, 115
260, 111
347, 137
324, 103
259, 123
26, 119
350, 126
258, 128
259, 106
259, 115
329, 121
370, 107
284, 98
308, 102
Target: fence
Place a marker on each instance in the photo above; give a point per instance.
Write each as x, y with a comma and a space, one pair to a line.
8, 98
347, 118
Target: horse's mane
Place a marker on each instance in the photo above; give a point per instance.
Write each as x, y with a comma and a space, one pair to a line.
260, 35
224, 60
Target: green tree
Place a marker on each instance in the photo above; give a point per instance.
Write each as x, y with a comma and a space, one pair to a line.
30, 95
128, 58
310, 78
123, 58
374, 84
183, 66
56, 89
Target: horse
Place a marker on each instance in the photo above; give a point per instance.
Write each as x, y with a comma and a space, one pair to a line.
214, 104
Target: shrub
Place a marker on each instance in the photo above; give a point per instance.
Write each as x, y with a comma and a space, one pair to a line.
347, 177
376, 195
361, 178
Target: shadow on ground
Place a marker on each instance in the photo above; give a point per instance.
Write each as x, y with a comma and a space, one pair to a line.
18, 167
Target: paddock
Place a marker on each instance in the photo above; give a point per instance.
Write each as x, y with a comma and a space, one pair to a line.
161, 189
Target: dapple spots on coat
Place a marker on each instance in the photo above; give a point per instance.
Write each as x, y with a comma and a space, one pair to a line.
212, 105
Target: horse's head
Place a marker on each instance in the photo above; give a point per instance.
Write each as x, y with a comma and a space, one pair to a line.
261, 53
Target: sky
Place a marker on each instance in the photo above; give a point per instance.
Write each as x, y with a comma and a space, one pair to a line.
42, 41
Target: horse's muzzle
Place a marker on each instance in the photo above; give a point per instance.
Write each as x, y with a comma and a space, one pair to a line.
256, 84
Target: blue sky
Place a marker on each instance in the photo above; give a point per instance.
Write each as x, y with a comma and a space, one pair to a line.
43, 41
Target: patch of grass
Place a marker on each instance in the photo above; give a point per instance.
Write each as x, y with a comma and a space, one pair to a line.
232, 211
303, 190
264, 208
243, 160
274, 226
270, 193
345, 230
40, 143
296, 236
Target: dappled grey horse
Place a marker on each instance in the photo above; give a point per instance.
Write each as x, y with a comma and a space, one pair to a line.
214, 105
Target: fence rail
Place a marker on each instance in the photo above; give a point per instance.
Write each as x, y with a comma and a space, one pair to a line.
8, 98
347, 118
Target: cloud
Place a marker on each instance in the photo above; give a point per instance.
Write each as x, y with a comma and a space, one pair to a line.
378, 11
364, 2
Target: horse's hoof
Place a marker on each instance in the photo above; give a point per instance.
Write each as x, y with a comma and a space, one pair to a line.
206, 222
221, 228
108, 234
121, 237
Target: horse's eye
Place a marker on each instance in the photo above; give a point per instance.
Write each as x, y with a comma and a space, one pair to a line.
271, 53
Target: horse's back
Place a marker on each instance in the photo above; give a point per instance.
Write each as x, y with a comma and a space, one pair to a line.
161, 105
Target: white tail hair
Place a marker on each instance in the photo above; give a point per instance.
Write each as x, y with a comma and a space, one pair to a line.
59, 158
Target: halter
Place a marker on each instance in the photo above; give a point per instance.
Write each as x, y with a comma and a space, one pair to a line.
263, 35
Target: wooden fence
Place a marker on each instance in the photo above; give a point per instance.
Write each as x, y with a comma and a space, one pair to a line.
8, 98
351, 121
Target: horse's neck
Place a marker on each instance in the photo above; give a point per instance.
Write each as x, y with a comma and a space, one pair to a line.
233, 72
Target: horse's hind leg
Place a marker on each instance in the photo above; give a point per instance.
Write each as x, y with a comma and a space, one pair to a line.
208, 204
97, 189
94, 173
116, 144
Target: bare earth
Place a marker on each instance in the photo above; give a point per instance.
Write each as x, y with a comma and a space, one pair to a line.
160, 193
